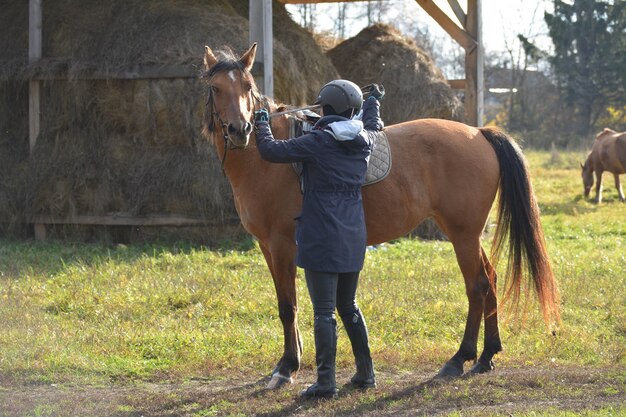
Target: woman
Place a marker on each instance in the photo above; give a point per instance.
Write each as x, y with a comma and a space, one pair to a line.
331, 236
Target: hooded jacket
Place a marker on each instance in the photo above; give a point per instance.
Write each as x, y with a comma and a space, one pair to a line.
330, 234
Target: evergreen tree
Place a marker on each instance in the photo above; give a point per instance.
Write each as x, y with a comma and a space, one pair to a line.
589, 61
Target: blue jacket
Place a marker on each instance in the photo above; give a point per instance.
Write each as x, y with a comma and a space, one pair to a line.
330, 234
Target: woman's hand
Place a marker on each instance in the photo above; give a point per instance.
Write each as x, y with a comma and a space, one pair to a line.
261, 116
374, 90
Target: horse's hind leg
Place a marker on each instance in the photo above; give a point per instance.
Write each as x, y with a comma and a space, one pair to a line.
618, 185
468, 253
493, 344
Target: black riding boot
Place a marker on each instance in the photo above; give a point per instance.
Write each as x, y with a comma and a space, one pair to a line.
357, 332
325, 352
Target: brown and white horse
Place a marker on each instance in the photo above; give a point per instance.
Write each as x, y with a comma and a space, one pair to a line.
441, 169
607, 154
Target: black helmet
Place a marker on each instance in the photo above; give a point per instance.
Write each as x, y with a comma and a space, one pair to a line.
342, 96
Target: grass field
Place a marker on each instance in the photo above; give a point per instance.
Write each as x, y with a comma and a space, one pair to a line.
174, 329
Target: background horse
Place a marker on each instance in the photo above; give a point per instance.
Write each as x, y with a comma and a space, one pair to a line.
607, 154
441, 169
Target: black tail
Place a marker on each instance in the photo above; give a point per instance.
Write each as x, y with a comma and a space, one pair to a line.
518, 219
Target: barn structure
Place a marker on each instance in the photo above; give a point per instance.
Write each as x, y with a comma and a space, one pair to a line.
87, 209
468, 35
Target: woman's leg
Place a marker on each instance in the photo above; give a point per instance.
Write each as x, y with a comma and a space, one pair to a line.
323, 292
355, 326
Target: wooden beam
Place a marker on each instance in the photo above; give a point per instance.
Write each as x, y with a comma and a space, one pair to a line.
458, 11
124, 219
474, 62
260, 19
457, 84
461, 36
34, 55
34, 103
136, 72
315, 1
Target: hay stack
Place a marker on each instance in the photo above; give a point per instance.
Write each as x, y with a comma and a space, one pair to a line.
127, 146
415, 87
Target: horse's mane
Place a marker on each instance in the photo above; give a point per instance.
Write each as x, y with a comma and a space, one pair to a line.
226, 61
588, 163
605, 132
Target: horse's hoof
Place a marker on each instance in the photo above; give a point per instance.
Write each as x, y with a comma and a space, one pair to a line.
278, 381
450, 370
481, 367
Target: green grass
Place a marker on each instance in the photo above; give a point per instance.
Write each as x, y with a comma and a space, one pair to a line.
92, 313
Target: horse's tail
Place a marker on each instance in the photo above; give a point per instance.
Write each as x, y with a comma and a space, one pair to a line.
518, 219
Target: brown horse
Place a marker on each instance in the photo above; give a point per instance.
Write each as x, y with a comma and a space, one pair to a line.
441, 169
607, 154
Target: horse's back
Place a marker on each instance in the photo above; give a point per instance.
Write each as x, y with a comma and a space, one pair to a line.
451, 150
440, 168
609, 151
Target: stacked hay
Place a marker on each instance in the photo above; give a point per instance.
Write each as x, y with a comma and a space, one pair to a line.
314, 68
131, 146
415, 87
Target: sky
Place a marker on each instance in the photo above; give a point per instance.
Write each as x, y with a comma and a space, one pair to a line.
502, 20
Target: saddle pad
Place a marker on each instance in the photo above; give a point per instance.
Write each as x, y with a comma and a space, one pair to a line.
380, 161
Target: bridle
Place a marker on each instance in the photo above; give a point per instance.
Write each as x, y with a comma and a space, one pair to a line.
228, 143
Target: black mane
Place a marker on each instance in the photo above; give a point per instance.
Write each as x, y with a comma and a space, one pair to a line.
226, 65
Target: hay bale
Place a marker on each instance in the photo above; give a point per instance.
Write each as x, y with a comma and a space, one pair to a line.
314, 68
415, 87
128, 145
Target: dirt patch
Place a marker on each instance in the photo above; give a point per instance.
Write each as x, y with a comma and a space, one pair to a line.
502, 392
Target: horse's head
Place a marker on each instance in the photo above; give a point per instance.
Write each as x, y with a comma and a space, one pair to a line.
231, 97
587, 174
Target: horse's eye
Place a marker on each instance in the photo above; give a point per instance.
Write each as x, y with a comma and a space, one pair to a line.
214, 89
248, 87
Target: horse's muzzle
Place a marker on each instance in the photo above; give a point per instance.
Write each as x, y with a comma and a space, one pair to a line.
239, 134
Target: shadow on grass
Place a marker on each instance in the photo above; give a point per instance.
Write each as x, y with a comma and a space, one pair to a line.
19, 258
572, 207
384, 401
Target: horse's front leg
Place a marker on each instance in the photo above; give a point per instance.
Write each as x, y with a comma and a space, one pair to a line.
280, 257
618, 185
598, 187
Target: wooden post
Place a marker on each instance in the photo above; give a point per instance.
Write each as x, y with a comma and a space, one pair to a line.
261, 33
470, 38
474, 63
34, 115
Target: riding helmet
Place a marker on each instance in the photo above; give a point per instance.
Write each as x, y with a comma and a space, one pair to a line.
341, 95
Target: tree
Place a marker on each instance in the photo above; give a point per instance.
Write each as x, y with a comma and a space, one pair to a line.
340, 21
589, 60
308, 13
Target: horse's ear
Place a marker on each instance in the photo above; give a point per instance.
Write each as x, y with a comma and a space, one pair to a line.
247, 59
209, 58
581, 165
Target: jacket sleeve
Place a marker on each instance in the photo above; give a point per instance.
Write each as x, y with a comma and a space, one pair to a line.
371, 115
302, 148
